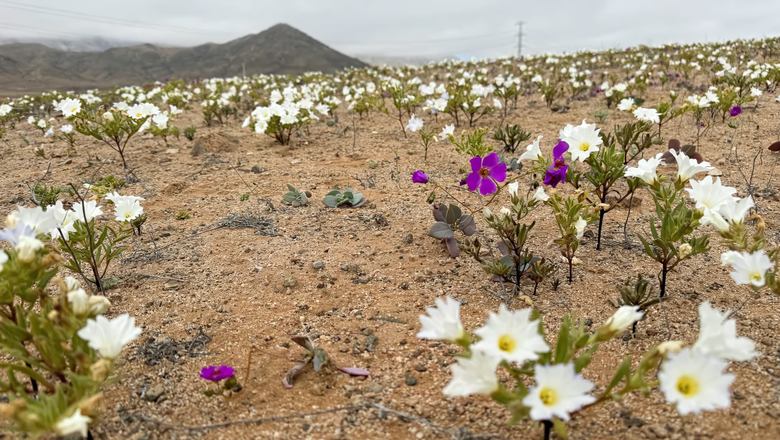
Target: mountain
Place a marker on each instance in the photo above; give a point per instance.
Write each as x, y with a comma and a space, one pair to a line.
280, 49
90, 44
400, 61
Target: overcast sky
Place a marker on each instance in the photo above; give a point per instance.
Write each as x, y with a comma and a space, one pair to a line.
463, 28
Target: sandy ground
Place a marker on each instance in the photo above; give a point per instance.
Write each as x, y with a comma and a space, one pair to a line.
249, 290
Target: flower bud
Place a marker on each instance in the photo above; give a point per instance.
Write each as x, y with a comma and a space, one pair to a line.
92, 406
669, 347
108, 116
71, 284
685, 250
624, 318
100, 370
79, 301
98, 305
52, 258
487, 213
26, 247
505, 212
53, 315
11, 221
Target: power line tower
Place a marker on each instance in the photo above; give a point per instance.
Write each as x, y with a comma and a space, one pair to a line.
520, 38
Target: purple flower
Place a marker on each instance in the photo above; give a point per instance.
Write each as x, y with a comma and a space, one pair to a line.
215, 374
736, 110
557, 171
12, 235
485, 173
419, 177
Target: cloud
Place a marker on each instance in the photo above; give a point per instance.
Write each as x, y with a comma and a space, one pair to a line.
401, 27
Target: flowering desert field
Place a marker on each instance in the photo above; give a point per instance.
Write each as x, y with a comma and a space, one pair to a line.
576, 246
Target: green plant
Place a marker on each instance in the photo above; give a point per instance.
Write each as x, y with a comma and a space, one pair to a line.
182, 215
472, 144
244, 197
336, 198
295, 197
46, 195
450, 218
511, 136
105, 186
189, 133
601, 115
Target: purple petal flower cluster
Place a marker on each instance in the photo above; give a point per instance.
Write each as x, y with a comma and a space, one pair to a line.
215, 374
12, 235
485, 172
736, 110
557, 171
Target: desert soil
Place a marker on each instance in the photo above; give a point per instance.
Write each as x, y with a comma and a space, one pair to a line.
209, 292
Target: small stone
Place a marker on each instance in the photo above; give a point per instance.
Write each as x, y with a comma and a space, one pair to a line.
343, 348
295, 161
374, 388
722, 161
154, 393
290, 282
421, 368
257, 170
404, 286
410, 380
367, 331
659, 431
198, 150
371, 342
318, 265
408, 238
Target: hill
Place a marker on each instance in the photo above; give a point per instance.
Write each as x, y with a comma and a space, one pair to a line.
280, 49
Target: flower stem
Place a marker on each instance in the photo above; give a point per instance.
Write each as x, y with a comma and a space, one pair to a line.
547, 429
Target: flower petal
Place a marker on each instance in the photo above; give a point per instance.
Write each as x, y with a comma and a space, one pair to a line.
473, 181
490, 160
559, 149
498, 172
487, 187
476, 164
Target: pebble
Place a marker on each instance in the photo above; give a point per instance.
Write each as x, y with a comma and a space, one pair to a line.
290, 282
154, 393
318, 265
410, 380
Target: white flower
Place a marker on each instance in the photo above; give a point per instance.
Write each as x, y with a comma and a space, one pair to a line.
511, 336
261, 126
755, 92
443, 322
174, 110
540, 195
5, 109
497, 103
710, 195
136, 112
748, 268
626, 104
646, 169
75, 424
110, 337
687, 167
89, 211
475, 375
276, 96
49, 132
126, 211
735, 211
718, 336
414, 124
695, 382
579, 226
70, 107
71, 284
513, 188
288, 119
559, 391
583, 140
41, 123
505, 212
624, 318
448, 130
66, 129
533, 151
26, 247
79, 301
647, 115
685, 250
64, 221
322, 109
160, 120
3, 259
40, 221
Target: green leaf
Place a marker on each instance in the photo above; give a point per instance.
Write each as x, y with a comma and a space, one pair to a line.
560, 428
441, 230
562, 347
622, 371
320, 359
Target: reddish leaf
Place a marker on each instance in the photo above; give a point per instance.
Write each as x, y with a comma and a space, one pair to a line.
775, 146
287, 381
674, 144
353, 371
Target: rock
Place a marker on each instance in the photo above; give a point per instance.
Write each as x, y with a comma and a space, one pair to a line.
408, 239
410, 380
290, 282
343, 348
371, 342
659, 431
318, 265
350, 267
295, 161
171, 151
421, 368
154, 393
257, 170
366, 332
404, 286
722, 161
374, 388
198, 150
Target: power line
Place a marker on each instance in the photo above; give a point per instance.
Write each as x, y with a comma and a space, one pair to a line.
38, 31
417, 42
102, 19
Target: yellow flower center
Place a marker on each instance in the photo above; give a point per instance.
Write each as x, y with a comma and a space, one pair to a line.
73, 111
138, 115
127, 215
584, 146
507, 343
755, 276
548, 396
687, 386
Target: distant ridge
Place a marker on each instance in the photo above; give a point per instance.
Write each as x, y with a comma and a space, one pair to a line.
280, 49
